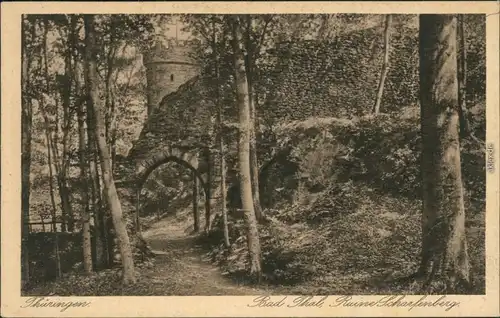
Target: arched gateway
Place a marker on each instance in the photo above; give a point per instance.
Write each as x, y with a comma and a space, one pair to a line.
132, 172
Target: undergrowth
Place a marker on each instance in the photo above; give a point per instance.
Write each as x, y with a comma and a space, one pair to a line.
106, 282
353, 222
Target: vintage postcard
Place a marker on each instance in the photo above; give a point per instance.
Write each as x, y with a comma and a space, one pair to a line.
250, 159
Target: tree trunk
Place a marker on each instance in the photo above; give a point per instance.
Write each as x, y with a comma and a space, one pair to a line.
64, 191
222, 167
223, 190
91, 77
254, 164
64, 196
137, 211
113, 145
27, 119
92, 195
222, 163
101, 232
83, 155
66, 98
208, 194
196, 212
110, 119
103, 237
87, 248
244, 150
462, 79
385, 64
52, 198
110, 98
110, 238
444, 246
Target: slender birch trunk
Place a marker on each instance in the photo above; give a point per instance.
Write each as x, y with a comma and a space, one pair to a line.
66, 90
221, 141
244, 150
82, 151
100, 134
87, 248
52, 199
208, 194
104, 248
227, 243
101, 231
254, 164
110, 103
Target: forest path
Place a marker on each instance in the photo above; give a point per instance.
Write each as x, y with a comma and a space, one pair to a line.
181, 267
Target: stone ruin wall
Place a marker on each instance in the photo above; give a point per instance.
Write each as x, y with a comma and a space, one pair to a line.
336, 78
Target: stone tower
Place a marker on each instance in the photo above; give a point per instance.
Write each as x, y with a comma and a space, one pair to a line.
168, 65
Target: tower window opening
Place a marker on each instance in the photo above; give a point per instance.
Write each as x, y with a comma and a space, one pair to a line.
171, 77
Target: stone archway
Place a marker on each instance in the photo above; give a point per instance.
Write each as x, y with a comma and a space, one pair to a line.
195, 159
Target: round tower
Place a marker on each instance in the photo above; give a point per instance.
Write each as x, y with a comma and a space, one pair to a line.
168, 65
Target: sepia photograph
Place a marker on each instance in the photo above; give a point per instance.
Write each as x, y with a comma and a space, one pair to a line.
253, 154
